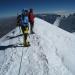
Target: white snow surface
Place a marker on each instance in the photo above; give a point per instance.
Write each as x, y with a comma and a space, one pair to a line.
52, 52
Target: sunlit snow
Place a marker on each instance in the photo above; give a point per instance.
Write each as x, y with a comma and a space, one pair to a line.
52, 52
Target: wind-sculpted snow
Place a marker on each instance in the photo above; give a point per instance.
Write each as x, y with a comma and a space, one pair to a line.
63, 41
50, 52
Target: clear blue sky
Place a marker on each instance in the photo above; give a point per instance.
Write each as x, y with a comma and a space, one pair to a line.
10, 7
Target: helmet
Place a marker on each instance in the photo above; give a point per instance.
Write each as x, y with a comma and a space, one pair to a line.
31, 10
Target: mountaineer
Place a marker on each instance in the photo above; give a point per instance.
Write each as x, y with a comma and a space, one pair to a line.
31, 20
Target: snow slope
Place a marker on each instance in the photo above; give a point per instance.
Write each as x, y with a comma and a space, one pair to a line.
57, 22
52, 52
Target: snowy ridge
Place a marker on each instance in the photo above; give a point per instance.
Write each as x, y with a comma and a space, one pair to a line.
52, 52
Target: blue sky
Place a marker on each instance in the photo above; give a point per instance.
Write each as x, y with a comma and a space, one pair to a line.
11, 7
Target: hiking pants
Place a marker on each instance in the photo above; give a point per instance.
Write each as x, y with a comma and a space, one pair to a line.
25, 34
31, 26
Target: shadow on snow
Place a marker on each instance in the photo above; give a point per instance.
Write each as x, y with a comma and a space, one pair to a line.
9, 37
9, 46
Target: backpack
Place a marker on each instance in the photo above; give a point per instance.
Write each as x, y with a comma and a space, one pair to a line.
18, 20
24, 21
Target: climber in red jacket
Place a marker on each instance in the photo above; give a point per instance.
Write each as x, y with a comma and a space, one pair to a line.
31, 20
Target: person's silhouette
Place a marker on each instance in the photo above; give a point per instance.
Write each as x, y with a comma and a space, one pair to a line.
31, 20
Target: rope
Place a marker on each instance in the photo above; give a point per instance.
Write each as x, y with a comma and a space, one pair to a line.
21, 59
21, 55
20, 63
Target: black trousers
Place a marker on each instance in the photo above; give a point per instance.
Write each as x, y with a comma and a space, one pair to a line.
31, 26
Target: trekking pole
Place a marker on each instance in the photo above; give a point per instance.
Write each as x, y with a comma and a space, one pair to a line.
19, 34
19, 24
20, 29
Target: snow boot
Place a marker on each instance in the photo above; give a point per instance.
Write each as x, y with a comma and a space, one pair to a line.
32, 32
26, 44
